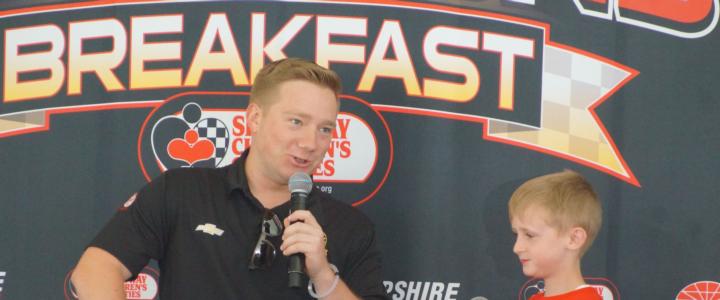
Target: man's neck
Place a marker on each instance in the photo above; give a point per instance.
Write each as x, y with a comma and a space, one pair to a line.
564, 281
270, 193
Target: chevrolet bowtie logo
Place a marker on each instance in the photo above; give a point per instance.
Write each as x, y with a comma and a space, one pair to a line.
210, 229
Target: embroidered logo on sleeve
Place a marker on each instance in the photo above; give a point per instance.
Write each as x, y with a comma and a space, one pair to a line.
210, 229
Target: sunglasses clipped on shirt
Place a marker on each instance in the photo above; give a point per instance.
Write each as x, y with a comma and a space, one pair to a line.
264, 251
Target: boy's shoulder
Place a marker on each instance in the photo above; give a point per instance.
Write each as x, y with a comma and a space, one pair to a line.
585, 293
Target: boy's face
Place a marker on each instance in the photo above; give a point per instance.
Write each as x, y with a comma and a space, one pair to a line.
293, 132
540, 247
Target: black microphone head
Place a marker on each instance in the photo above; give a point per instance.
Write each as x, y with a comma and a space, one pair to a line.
300, 183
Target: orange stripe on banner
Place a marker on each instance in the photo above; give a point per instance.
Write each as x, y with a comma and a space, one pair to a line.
77, 109
62, 6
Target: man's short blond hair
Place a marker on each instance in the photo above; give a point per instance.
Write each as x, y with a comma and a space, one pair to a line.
288, 69
568, 199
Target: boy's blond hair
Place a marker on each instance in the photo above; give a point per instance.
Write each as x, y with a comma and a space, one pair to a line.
280, 71
568, 199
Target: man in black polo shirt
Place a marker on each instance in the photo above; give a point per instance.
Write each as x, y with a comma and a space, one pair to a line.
214, 231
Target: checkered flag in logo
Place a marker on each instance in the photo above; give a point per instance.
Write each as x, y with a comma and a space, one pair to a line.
217, 132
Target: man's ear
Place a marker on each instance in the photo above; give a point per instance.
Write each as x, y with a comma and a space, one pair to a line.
254, 116
578, 238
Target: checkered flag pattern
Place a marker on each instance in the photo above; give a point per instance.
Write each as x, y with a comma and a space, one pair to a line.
571, 83
217, 132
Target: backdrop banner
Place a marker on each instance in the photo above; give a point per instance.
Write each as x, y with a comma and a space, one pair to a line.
447, 107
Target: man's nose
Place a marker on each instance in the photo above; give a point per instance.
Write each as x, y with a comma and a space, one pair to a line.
308, 139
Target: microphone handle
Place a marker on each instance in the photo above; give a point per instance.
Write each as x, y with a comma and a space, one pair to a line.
295, 267
299, 201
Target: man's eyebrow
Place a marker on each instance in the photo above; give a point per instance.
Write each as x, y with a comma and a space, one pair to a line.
303, 115
329, 123
296, 113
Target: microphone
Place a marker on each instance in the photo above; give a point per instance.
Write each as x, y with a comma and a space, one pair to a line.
299, 185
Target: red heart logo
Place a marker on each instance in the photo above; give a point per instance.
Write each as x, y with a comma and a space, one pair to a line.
191, 149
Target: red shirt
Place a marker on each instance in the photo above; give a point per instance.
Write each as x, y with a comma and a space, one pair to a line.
586, 293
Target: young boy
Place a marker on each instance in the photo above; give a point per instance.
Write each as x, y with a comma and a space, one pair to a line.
555, 218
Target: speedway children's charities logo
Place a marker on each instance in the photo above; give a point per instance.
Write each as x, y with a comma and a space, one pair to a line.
402, 57
143, 287
209, 129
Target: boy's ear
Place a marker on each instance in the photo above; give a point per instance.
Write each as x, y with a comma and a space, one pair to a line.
578, 237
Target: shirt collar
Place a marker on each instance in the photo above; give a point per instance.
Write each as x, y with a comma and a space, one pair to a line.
236, 180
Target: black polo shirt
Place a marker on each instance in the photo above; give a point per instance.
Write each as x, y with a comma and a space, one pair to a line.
163, 222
